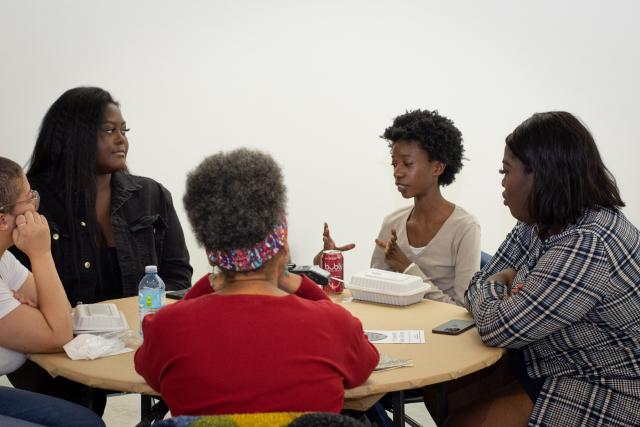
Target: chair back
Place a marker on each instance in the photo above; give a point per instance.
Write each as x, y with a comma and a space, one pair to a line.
484, 258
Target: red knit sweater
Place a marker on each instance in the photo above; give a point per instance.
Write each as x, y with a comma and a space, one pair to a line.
214, 354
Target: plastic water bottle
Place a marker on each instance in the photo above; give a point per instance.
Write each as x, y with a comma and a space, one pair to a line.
151, 292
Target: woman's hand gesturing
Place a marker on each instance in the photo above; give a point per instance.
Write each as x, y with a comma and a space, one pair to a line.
329, 244
393, 255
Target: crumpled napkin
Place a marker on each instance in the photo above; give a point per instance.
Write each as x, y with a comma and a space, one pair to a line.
87, 346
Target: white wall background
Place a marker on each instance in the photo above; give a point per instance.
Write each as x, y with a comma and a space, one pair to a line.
315, 83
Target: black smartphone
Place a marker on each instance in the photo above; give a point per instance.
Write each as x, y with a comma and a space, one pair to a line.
313, 272
177, 294
454, 327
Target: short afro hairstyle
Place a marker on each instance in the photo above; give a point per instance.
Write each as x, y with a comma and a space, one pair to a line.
436, 134
235, 199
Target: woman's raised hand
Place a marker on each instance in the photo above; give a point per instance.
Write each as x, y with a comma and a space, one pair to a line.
31, 234
393, 255
329, 244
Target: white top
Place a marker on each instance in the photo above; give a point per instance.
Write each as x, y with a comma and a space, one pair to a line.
12, 277
416, 251
449, 260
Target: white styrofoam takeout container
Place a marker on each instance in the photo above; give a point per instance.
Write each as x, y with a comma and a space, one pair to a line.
387, 287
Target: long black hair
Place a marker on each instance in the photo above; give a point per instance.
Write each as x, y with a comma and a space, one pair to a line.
64, 157
65, 150
568, 173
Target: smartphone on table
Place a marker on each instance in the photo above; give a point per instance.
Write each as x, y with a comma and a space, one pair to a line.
179, 294
454, 327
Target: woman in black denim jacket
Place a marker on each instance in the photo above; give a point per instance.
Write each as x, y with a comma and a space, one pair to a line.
106, 224
146, 231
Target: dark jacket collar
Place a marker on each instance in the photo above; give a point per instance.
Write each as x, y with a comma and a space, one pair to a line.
122, 186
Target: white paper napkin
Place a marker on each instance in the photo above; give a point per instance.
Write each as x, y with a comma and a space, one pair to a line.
87, 346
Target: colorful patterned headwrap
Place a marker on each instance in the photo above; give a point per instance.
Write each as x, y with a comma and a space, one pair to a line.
249, 259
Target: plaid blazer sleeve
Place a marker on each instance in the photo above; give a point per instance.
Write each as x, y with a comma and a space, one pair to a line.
567, 280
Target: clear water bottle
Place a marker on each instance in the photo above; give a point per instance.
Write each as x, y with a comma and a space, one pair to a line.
151, 292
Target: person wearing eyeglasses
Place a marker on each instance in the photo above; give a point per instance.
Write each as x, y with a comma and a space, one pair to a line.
106, 223
34, 310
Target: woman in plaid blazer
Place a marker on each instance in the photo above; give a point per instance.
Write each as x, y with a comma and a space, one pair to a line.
563, 290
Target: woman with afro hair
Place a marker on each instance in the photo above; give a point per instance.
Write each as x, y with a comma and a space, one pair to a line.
255, 339
433, 238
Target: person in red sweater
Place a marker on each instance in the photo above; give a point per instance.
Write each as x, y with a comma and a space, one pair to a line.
257, 339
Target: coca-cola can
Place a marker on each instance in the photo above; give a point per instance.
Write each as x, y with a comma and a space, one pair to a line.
333, 262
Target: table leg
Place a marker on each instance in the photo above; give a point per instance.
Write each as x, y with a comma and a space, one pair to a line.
151, 412
86, 397
441, 403
146, 403
397, 403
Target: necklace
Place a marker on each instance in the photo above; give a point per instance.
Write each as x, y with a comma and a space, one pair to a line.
250, 286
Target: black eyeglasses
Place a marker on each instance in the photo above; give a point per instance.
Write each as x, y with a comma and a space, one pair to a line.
34, 198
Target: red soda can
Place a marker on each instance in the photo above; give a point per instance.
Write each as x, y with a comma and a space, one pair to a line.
333, 262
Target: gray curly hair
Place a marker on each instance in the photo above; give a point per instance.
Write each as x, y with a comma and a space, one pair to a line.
234, 199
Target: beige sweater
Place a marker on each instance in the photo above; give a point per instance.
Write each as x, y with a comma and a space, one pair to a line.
449, 260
